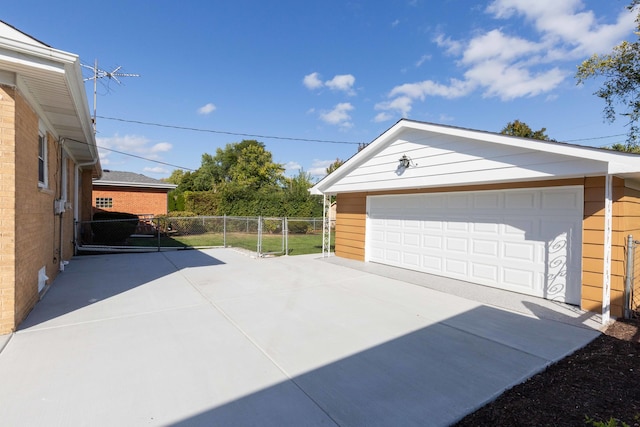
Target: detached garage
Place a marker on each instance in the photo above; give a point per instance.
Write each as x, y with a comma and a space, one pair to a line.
535, 217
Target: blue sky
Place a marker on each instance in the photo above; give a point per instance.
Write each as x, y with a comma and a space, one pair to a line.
339, 71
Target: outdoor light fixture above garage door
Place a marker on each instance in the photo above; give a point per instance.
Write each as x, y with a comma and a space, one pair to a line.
405, 162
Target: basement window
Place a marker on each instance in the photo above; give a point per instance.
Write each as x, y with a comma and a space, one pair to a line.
104, 202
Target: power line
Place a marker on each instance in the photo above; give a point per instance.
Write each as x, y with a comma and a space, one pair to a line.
144, 158
594, 138
230, 133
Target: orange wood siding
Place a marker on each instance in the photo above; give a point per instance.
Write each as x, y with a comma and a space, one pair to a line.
350, 225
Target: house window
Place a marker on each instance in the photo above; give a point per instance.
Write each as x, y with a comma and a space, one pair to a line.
104, 202
42, 160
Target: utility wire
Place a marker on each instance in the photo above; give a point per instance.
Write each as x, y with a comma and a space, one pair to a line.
144, 158
230, 133
596, 137
130, 155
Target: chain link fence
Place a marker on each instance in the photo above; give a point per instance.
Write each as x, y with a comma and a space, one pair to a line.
263, 235
632, 279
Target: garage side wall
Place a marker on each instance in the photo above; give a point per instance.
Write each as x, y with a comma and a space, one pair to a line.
593, 243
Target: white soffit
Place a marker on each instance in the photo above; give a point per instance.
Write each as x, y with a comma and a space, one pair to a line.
447, 156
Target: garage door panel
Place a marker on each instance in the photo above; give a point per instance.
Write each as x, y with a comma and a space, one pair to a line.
485, 248
490, 201
520, 201
456, 244
456, 267
485, 227
412, 239
524, 251
485, 271
526, 240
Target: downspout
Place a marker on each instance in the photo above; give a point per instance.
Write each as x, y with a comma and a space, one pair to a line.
606, 268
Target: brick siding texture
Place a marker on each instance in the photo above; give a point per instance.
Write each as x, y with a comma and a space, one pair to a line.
7, 209
30, 231
133, 200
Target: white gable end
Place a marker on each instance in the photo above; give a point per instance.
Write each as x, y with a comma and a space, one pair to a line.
445, 160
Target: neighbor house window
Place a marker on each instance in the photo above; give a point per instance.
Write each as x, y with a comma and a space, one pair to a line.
42, 160
104, 202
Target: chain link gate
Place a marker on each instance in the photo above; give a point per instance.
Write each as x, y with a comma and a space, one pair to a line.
632, 279
266, 236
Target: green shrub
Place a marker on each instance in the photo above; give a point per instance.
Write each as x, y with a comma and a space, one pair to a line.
113, 227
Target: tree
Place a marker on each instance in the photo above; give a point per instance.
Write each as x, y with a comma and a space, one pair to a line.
621, 70
521, 129
335, 165
254, 168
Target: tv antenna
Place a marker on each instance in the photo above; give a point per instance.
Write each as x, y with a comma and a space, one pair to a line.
100, 74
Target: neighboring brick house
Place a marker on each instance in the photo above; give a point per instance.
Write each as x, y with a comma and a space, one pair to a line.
48, 157
130, 192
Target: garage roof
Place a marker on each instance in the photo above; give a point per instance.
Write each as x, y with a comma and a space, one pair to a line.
52, 81
441, 156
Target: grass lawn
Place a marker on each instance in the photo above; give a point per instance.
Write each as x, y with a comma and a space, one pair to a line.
298, 244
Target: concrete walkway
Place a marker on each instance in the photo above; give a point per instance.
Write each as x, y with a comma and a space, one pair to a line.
215, 337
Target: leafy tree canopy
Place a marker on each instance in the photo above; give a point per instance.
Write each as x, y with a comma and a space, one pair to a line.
335, 165
521, 129
621, 88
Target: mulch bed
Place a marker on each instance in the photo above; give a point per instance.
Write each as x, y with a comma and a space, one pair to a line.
600, 381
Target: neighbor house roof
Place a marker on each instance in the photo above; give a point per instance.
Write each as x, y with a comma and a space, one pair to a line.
451, 156
130, 179
52, 81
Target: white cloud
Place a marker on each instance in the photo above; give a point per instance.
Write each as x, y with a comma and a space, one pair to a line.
395, 23
312, 81
292, 168
161, 147
130, 144
157, 170
319, 167
339, 82
339, 115
508, 66
207, 109
342, 82
422, 60
382, 117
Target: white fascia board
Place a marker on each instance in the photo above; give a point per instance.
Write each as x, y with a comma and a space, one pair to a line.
134, 184
76, 87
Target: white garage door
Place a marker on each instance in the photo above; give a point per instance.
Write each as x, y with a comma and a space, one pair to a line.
526, 240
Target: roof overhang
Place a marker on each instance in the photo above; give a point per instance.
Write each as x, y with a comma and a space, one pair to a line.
52, 82
163, 186
528, 160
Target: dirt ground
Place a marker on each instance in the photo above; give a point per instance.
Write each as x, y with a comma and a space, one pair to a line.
600, 381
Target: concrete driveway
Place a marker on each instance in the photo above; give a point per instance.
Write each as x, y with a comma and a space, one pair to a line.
215, 337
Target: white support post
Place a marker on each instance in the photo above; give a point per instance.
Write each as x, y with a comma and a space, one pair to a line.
606, 268
326, 225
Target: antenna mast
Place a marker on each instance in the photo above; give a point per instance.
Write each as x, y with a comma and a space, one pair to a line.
99, 74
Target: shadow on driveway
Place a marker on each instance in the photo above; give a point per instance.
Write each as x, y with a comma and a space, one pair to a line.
95, 278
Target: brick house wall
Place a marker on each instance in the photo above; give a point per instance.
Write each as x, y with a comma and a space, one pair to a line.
44, 238
7, 208
139, 201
